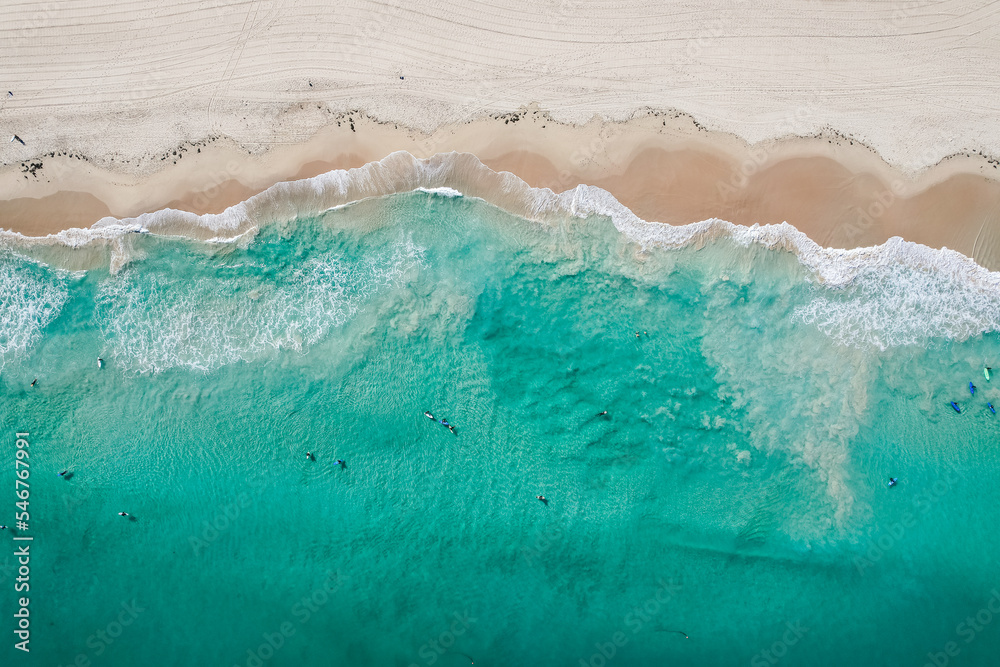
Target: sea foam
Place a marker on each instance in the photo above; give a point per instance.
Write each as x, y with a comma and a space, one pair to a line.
897, 293
29, 301
162, 321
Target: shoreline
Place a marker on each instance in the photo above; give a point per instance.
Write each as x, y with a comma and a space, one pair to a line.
663, 166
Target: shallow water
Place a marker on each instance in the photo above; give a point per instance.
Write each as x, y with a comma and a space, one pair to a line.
735, 491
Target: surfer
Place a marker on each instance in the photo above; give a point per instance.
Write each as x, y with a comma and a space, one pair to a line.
892, 481
602, 414
340, 462
443, 422
990, 406
63, 473
955, 406
100, 362
543, 499
309, 455
33, 382
124, 514
972, 389
986, 372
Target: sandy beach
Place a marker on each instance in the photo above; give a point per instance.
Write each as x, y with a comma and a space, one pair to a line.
751, 114
611, 333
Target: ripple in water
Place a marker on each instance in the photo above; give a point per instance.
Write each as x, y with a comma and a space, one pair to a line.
29, 301
153, 322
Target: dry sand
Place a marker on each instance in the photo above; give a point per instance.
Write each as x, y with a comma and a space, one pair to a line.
199, 105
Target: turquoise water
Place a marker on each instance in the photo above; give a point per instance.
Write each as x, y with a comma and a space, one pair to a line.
735, 491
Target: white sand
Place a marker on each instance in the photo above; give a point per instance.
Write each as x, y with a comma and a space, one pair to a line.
124, 81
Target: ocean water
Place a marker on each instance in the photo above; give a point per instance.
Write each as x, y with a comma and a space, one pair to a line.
731, 507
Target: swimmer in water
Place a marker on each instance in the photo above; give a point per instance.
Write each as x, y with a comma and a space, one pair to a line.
543, 499
602, 414
63, 473
33, 382
443, 422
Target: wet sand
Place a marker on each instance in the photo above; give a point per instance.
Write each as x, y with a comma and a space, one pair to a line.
663, 167
750, 112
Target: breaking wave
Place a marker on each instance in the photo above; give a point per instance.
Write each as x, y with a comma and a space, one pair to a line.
897, 293
29, 301
156, 322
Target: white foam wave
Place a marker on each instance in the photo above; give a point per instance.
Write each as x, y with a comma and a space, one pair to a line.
28, 303
443, 192
158, 322
897, 293
890, 319
890, 305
